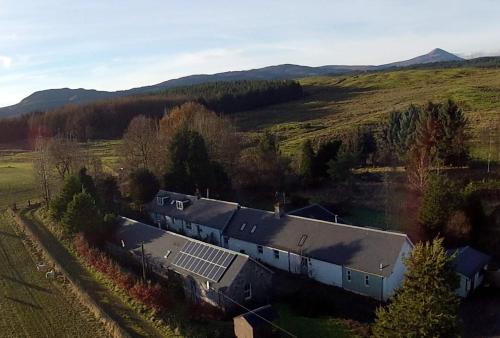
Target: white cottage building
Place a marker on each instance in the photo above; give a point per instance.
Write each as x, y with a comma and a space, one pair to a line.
361, 260
193, 216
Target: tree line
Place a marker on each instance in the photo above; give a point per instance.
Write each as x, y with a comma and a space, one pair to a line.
108, 119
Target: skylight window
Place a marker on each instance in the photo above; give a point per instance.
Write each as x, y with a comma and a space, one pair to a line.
243, 226
302, 240
253, 229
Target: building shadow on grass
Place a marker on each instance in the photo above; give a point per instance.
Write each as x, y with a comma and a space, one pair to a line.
29, 285
23, 302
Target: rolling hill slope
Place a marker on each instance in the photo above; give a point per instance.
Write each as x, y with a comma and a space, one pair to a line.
54, 98
335, 104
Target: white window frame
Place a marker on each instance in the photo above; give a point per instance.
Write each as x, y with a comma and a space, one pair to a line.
276, 254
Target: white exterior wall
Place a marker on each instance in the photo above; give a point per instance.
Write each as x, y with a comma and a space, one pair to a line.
326, 273
210, 234
478, 279
323, 272
267, 255
464, 287
197, 230
392, 282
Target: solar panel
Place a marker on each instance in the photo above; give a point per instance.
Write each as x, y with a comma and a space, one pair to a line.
204, 260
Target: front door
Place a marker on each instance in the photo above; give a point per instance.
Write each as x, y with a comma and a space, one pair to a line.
304, 266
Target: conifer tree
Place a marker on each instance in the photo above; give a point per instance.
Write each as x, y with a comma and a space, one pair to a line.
306, 167
59, 204
439, 201
425, 305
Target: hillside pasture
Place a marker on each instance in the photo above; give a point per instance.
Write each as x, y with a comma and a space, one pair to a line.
333, 105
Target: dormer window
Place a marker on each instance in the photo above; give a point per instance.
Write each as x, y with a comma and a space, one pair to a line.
181, 205
243, 226
253, 229
159, 201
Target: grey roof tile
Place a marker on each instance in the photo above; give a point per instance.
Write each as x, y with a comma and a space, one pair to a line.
468, 261
359, 248
157, 243
204, 211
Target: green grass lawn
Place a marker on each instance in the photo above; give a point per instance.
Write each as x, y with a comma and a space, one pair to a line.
17, 177
31, 305
335, 104
305, 327
17, 181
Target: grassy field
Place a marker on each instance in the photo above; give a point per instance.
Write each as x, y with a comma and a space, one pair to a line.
334, 104
304, 327
31, 305
17, 181
101, 292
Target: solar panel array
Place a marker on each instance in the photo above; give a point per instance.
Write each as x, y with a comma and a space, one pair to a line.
204, 260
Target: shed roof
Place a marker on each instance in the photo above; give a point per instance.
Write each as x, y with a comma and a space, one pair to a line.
162, 247
204, 211
468, 260
259, 316
314, 211
362, 249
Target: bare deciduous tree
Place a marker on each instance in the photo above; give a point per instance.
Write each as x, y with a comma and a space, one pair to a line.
42, 167
141, 146
65, 155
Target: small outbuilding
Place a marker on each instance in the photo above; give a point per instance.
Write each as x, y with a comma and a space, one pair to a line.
470, 265
256, 323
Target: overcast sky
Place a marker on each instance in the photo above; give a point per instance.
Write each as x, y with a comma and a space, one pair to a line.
111, 45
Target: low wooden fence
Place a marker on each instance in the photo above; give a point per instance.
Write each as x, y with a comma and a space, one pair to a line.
75, 286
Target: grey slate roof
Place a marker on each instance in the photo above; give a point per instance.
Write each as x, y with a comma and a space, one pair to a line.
359, 248
204, 211
254, 317
314, 211
158, 242
468, 261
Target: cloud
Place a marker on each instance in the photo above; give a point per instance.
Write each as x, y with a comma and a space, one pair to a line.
5, 61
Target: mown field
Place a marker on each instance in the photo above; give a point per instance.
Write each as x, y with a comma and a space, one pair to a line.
32, 306
335, 104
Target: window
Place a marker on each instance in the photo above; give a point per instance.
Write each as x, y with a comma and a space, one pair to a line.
302, 240
260, 249
243, 226
348, 275
179, 205
247, 291
276, 254
174, 220
367, 280
253, 229
188, 225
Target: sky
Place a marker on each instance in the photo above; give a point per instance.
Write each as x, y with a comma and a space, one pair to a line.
113, 45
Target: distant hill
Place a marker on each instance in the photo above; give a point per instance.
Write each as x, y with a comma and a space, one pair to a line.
436, 55
54, 98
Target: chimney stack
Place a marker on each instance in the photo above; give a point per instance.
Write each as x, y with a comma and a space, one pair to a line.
279, 206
